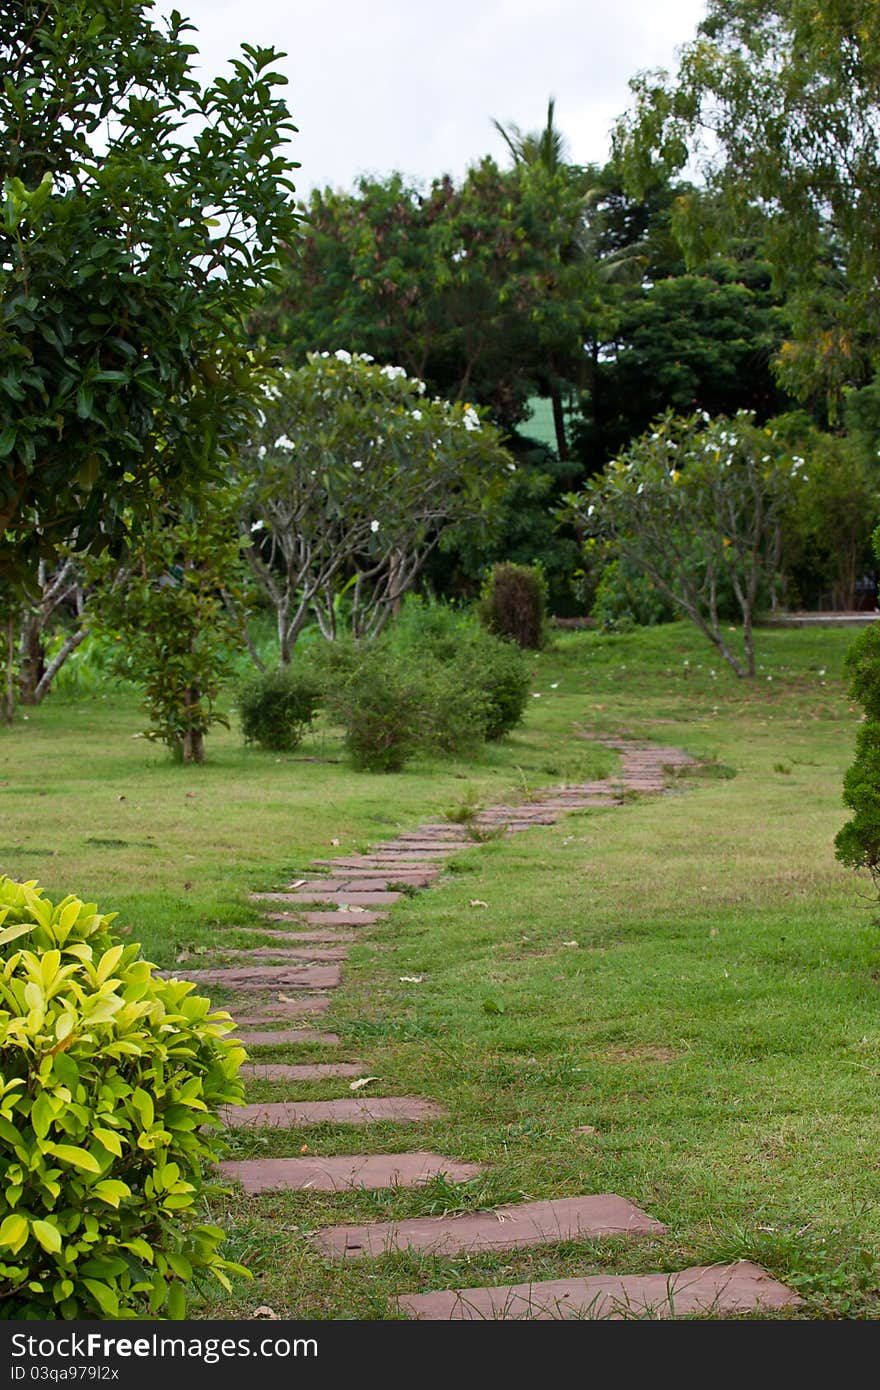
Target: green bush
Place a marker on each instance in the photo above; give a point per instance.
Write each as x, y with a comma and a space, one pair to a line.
378, 702
490, 673
110, 1084
513, 604
626, 598
276, 708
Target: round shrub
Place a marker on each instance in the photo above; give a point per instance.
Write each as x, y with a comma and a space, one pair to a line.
513, 604
378, 702
500, 672
110, 1084
625, 598
276, 708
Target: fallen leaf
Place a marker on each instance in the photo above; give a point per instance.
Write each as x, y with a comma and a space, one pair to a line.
334, 842
411, 979
182, 958
361, 1082
571, 943
491, 1007
187, 886
264, 1311
303, 1148
120, 798
299, 883
585, 1129
190, 796
478, 902
286, 999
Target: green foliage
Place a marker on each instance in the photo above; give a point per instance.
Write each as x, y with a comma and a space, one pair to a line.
140, 212
513, 604
858, 842
378, 703
276, 708
493, 673
626, 598
789, 90
110, 1084
350, 481
170, 613
697, 506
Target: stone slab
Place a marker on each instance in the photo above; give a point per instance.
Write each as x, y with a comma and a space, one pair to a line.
284, 937
342, 896
299, 1071
269, 976
355, 918
282, 954
339, 1173
506, 1228
377, 866
284, 1037
718, 1289
349, 1110
280, 1010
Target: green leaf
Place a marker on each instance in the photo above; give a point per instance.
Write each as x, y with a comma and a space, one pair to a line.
13, 1232
48, 1235
75, 1156
109, 1139
176, 1302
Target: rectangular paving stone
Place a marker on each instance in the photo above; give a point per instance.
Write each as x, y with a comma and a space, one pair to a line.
720, 1289
269, 977
284, 1037
349, 1110
378, 865
299, 1071
279, 1010
282, 954
356, 917
341, 1172
506, 1228
342, 896
284, 937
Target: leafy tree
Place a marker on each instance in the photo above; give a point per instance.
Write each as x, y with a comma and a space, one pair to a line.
474, 289
174, 610
140, 213
697, 506
349, 484
858, 842
778, 102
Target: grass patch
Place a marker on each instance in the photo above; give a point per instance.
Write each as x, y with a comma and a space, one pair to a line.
685, 997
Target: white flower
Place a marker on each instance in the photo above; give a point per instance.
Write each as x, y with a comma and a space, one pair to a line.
470, 418
392, 372
511, 467
282, 442
258, 526
416, 414
341, 355
590, 509
374, 526
420, 387
261, 452
356, 463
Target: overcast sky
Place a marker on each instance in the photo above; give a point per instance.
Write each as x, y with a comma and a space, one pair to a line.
382, 85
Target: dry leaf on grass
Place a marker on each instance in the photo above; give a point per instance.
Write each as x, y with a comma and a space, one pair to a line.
361, 1082
478, 902
411, 979
264, 1311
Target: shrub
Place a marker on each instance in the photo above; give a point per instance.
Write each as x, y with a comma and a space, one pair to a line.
625, 598
491, 674
110, 1083
276, 708
378, 702
513, 604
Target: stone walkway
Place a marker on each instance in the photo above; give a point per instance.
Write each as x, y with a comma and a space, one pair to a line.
277, 988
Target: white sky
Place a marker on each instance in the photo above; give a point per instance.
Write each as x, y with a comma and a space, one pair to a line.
382, 85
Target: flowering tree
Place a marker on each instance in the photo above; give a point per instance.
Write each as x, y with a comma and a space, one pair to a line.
350, 482
697, 506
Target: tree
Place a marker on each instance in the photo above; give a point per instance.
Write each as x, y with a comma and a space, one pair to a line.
778, 102
174, 609
697, 506
857, 843
470, 288
140, 214
349, 484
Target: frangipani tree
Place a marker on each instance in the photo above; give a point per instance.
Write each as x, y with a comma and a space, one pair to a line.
350, 482
696, 505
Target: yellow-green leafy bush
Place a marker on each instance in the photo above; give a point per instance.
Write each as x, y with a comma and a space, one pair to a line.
110, 1083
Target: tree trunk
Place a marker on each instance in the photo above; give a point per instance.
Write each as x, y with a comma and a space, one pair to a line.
9, 700
33, 659
559, 424
192, 748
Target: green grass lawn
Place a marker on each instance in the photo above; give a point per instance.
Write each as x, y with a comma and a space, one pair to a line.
695, 979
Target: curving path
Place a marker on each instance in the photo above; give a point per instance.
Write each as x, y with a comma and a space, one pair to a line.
277, 989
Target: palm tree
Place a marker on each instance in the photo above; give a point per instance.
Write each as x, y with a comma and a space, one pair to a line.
547, 148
